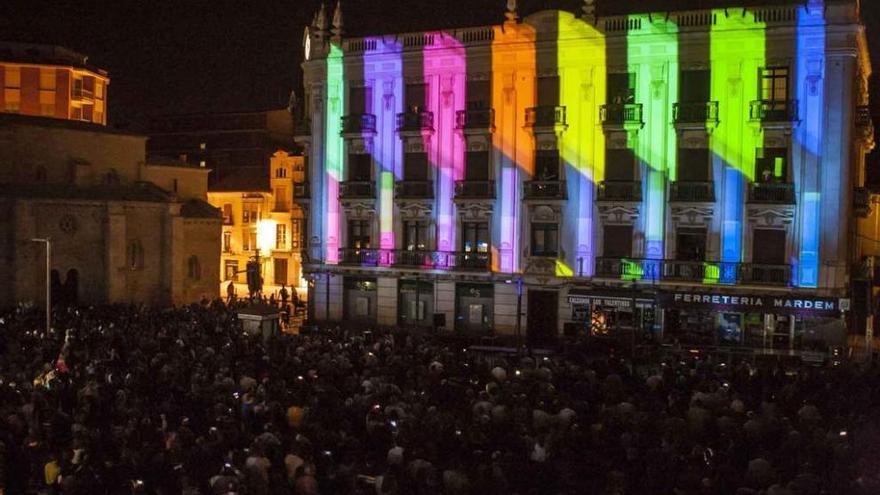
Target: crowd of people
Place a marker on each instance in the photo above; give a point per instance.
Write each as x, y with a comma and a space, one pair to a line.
123, 399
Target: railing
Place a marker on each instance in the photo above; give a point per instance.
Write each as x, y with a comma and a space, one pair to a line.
691, 271
357, 189
619, 190
358, 122
470, 261
695, 112
545, 116
83, 95
863, 117
419, 258
692, 191
472, 189
773, 110
359, 256
620, 113
861, 202
475, 119
771, 192
411, 189
301, 190
755, 273
228, 220
627, 268
303, 127
544, 189
415, 121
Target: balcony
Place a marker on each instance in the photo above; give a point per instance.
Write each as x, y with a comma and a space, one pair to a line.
470, 261
84, 95
359, 256
773, 111
771, 192
692, 271
472, 189
692, 191
755, 273
864, 125
700, 113
415, 122
419, 258
544, 189
546, 117
481, 120
626, 268
861, 202
358, 124
619, 190
301, 190
413, 189
357, 190
621, 115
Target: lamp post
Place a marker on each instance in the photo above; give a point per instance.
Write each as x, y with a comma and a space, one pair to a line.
48, 242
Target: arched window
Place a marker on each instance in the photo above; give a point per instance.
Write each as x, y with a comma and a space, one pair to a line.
135, 255
280, 172
194, 270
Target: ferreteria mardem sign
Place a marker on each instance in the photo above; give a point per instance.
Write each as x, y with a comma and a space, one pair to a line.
747, 303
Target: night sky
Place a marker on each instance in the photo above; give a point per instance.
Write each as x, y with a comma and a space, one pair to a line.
189, 56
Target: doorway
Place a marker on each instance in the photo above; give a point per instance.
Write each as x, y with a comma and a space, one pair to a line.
543, 317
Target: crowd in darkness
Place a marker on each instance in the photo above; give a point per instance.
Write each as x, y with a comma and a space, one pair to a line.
120, 399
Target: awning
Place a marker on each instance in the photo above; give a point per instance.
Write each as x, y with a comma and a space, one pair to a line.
612, 298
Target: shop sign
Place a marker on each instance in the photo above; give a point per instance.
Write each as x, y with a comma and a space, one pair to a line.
618, 302
758, 303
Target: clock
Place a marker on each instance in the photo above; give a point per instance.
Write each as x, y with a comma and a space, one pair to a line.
307, 43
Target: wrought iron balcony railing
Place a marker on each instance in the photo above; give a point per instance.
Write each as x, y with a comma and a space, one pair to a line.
475, 119
773, 110
619, 190
691, 271
470, 261
472, 189
692, 191
621, 113
545, 116
415, 121
627, 268
359, 256
419, 258
544, 189
359, 123
695, 112
761, 274
771, 192
411, 189
357, 190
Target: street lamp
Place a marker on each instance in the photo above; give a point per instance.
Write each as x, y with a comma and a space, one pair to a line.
48, 242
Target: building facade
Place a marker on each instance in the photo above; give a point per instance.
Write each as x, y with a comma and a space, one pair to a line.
51, 81
264, 222
679, 176
121, 230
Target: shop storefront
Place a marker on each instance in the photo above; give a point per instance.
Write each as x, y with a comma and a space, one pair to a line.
474, 307
790, 322
614, 312
360, 299
415, 303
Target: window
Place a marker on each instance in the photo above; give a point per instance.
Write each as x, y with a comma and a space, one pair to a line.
621, 88
547, 165
227, 242
693, 165
280, 173
479, 94
545, 239
281, 203
249, 241
47, 80
475, 237
690, 244
694, 86
774, 83
770, 165
295, 233
77, 87
360, 168
47, 109
227, 214
477, 166
359, 234
193, 268
415, 167
620, 165
250, 214
618, 241
416, 96
112, 178
548, 90
280, 236
13, 77
135, 255
768, 247
359, 100
230, 270
280, 271
415, 235
203, 145
76, 113
99, 90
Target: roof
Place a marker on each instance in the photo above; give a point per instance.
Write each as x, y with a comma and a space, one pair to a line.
196, 208
33, 53
241, 179
138, 191
75, 125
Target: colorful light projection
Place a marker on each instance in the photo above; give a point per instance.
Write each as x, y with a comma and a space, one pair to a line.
333, 150
737, 49
582, 146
